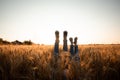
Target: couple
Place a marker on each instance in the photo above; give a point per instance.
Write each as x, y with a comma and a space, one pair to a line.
73, 47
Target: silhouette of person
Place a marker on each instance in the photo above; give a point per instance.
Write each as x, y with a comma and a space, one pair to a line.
65, 47
56, 46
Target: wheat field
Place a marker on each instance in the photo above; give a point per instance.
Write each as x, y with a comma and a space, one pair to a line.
37, 62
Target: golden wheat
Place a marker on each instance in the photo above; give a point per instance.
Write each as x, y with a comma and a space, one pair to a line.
36, 62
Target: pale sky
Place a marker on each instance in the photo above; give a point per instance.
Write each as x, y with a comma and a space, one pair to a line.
92, 21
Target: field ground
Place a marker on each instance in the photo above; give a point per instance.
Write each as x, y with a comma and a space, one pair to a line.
36, 62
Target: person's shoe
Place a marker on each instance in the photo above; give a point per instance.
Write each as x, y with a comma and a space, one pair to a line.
75, 40
57, 36
65, 35
71, 40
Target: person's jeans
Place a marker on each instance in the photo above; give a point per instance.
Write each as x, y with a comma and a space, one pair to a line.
65, 47
73, 49
56, 48
76, 49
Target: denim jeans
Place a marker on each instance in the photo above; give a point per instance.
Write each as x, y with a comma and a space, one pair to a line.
73, 49
65, 47
56, 48
76, 49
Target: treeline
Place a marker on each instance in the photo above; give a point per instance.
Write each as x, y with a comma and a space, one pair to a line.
16, 42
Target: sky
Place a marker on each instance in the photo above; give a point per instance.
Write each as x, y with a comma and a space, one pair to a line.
92, 21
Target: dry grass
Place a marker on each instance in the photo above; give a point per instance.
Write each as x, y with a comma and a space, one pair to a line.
35, 62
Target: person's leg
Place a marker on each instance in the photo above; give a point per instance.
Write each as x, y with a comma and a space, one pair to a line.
56, 46
71, 46
65, 47
76, 46
76, 57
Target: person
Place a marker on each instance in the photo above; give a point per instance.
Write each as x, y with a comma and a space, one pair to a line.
56, 46
65, 47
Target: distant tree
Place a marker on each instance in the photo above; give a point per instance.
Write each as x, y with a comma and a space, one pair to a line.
28, 42
1, 40
16, 42
5, 42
